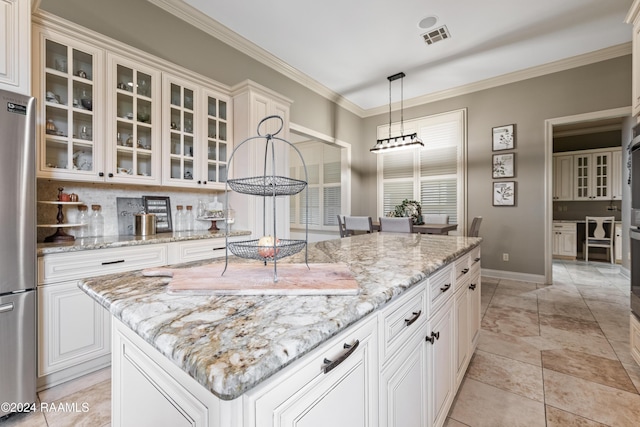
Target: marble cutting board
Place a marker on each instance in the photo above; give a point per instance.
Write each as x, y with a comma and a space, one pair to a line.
257, 279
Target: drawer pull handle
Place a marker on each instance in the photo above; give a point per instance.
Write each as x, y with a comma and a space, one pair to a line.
218, 248
334, 363
414, 318
465, 270
434, 336
476, 259
113, 262
472, 286
446, 287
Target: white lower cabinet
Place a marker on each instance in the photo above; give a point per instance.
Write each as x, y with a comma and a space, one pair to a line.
74, 330
310, 395
635, 338
441, 364
403, 385
399, 367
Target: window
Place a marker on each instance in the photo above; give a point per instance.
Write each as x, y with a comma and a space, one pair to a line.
433, 175
323, 163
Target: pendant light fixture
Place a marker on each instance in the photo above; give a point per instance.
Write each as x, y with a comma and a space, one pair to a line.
403, 141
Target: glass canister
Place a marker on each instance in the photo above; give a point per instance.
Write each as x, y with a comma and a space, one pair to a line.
96, 222
83, 220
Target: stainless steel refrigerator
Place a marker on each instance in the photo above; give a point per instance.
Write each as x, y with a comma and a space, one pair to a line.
17, 251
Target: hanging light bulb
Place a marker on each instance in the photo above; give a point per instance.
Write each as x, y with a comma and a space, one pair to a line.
401, 142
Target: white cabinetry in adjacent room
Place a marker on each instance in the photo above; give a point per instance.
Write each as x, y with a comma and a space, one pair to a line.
562, 177
15, 16
592, 176
588, 175
633, 17
564, 240
73, 329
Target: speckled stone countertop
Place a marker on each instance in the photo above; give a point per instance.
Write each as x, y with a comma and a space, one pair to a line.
88, 243
229, 344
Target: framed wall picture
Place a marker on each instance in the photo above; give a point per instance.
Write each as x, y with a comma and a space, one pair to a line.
504, 165
162, 208
504, 137
504, 193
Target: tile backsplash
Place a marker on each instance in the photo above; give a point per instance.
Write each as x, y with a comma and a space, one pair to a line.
106, 195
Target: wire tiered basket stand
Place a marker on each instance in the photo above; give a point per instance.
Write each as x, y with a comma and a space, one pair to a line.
265, 186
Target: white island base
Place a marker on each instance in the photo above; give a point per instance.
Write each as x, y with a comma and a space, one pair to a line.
399, 366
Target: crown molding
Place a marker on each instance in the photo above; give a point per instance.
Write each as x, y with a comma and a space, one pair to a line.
205, 23
541, 70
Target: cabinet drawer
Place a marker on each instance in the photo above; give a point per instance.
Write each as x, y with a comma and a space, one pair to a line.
474, 256
461, 268
78, 265
564, 226
440, 288
196, 250
401, 319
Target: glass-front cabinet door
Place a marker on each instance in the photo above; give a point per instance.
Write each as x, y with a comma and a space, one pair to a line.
195, 135
218, 139
68, 85
180, 128
133, 146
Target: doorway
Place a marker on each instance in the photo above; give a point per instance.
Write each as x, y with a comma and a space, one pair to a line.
582, 122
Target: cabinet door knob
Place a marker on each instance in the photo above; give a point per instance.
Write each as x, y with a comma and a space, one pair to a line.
414, 318
434, 336
472, 286
331, 364
110, 175
100, 174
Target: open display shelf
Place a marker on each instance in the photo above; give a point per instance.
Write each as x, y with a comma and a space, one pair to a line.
60, 235
267, 185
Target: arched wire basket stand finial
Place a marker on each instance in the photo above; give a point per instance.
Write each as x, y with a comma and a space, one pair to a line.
268, 186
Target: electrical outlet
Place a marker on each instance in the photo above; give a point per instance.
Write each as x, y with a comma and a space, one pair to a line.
505, 257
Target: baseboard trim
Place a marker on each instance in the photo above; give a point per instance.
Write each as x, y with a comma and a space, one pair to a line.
512, 275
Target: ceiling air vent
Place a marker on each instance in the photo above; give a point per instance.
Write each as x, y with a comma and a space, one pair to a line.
436, 35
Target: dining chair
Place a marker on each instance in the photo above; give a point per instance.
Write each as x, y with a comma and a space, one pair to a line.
341, 229
357, 223
397, 225
599, 236
475, 226
435, 218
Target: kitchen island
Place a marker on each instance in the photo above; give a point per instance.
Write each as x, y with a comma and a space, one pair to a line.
239, 360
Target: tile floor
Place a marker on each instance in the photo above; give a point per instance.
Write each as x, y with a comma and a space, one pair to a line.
553, 355
547, 356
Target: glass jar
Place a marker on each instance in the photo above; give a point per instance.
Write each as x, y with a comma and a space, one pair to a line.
180, 216
83, 220
190, 220
96, 222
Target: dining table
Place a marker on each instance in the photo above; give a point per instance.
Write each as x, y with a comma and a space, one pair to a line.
426, 228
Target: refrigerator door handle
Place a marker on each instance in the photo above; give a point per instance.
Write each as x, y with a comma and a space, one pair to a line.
5, 308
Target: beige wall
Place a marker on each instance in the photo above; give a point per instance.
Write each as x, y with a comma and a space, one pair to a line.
518, 230
515, 230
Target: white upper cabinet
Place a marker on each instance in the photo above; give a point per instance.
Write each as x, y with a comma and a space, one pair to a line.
68, 83
588, 175
633, 17
195, 134
133, 146
15, 20
113, 114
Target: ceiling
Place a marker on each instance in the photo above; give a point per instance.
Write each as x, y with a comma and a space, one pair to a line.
352, 46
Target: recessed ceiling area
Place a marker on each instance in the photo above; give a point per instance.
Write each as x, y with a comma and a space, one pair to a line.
351, 47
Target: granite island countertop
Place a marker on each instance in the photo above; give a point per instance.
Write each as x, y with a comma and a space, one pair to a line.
229, 344
88, 243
